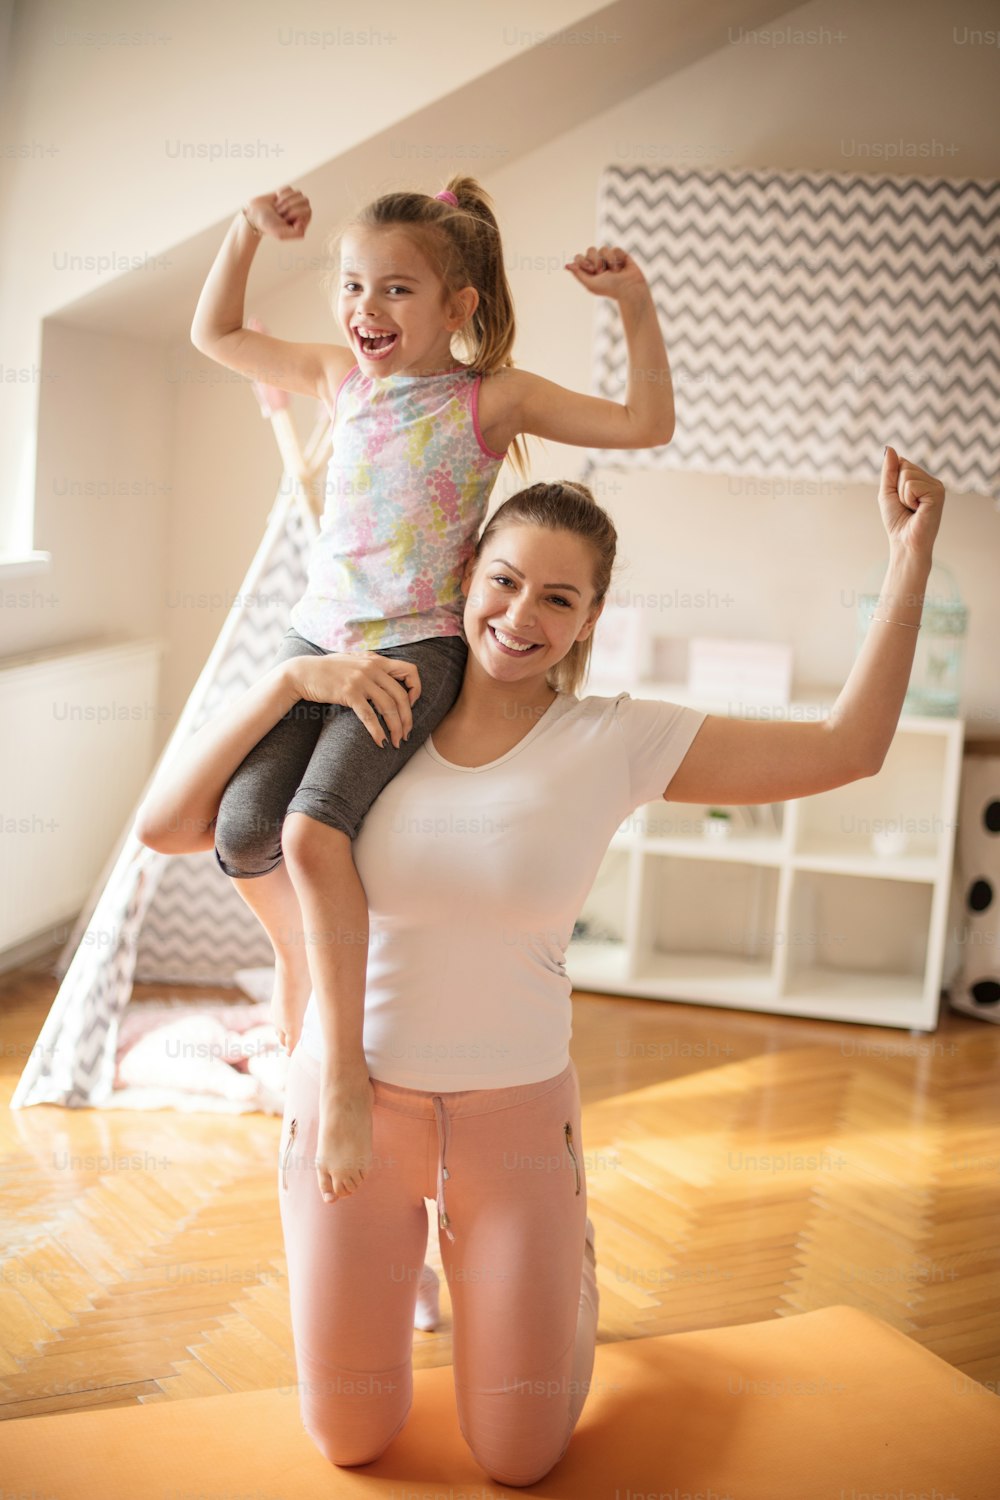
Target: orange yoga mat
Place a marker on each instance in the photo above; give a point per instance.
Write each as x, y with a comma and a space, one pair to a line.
827, 1405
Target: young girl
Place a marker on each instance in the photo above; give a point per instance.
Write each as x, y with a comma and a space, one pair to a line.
418, 440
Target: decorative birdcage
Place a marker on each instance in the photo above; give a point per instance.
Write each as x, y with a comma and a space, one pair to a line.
936, 677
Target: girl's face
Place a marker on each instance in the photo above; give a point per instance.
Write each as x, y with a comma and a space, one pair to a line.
528, 597
389, 290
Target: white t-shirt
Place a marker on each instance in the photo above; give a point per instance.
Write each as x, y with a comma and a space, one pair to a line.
475, 876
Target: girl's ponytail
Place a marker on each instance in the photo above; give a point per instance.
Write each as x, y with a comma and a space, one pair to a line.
493, 321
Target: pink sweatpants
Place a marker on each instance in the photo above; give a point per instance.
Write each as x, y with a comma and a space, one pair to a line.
506, 1168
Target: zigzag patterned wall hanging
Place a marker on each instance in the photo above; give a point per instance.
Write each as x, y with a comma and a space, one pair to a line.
811, 317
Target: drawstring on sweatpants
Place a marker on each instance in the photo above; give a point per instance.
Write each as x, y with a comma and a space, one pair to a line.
441, 1116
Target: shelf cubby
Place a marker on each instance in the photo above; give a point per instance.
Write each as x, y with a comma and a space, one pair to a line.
906, 797
699, 918
856, 945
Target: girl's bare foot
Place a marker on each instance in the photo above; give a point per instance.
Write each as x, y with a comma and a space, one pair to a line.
344, 1143
289, 999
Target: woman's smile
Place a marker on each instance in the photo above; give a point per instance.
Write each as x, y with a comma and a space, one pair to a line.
512, 645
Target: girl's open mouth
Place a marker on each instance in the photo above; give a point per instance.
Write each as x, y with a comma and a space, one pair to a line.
376, 346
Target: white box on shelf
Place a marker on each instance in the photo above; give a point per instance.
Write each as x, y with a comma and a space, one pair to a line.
749, 671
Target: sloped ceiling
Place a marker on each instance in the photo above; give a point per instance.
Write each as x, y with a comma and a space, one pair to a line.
543, 91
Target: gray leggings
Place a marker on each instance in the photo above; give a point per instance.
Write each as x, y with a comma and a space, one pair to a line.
320, 759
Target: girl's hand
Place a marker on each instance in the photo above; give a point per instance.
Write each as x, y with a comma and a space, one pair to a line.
284, 214
910, 500
607, 271
364, 682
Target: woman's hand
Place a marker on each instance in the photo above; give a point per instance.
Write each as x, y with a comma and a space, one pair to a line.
910, 500
285, 214
607, 271
344, 1133
364, 682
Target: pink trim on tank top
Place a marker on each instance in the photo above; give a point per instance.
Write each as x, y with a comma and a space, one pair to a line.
475, 420
336, 396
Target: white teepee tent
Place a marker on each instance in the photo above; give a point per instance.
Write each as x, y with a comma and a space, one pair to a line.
177, 918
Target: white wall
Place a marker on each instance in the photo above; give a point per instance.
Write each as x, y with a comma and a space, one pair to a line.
106, 518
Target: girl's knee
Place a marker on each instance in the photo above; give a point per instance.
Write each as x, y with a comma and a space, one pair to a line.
245, 846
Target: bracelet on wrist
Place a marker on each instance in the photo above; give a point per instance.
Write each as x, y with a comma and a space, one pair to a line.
250, 221
887, 621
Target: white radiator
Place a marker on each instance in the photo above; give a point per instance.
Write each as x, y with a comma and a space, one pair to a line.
78, 735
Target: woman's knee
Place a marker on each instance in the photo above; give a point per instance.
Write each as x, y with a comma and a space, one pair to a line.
345, 1449
514, 1467
350, 1434
509, 1453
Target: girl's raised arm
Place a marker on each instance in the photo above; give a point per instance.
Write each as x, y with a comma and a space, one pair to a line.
646, 417
732, 761
217, 329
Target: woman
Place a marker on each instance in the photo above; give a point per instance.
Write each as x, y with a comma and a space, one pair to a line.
475, 860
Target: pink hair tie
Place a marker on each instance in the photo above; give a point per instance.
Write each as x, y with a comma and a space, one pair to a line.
447, 196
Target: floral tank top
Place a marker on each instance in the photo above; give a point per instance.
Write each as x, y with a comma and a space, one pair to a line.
407, 489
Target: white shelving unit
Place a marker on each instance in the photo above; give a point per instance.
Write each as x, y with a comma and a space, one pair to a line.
792, 913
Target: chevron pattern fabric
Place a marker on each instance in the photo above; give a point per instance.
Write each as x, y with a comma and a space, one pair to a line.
163, 917
198, 931
811, 317
72, 1062
264, 620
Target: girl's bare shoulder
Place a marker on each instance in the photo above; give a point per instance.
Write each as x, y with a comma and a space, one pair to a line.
500, 395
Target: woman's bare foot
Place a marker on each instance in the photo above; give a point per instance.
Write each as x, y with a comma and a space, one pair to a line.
289, 999
344, 1143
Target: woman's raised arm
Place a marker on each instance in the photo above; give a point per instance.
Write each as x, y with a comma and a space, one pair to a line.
733, 761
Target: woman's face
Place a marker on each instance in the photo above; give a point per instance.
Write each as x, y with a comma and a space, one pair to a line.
388, 288
529, 596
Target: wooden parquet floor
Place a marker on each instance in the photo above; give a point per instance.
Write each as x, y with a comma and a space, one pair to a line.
740, 1167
